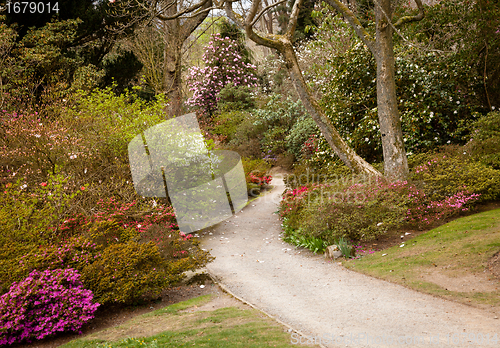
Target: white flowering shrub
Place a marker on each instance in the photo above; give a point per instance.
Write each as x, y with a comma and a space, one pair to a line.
436, 99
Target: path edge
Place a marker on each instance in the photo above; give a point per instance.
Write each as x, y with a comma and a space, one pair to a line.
229, 292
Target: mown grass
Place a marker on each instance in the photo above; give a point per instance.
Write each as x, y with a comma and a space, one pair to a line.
224, 327
461, 248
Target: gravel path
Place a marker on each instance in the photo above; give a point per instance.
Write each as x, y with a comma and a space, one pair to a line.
337, 307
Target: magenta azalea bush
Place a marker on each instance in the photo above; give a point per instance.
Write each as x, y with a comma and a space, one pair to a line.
223, 65
44, 303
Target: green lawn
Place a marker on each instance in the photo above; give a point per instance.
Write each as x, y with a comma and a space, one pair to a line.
224, 327
441, 259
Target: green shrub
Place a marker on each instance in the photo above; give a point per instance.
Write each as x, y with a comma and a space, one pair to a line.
484, 144
125, 272
300, 132
144, 267
255, 168
141, 243
305, 174
109, 122
439, 94
273, 142
255, 165
234, 98
226, 123
353, 214
363, 210
246, 138
116, 264
30, 212
443, 176
277, 117
347, 209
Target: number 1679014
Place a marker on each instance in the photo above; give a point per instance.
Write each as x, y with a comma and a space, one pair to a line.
32, 7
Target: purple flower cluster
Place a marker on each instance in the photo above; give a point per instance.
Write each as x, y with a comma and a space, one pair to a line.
223, 65
44, 303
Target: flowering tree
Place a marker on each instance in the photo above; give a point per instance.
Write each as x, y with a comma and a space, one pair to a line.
223, 65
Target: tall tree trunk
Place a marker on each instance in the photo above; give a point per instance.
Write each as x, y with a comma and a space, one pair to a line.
172, 62
172, 84
395, 161
283, 44
328, 130
175, 33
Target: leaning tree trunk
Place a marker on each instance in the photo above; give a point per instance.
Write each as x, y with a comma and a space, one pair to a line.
328, 130
395, 161
283, 44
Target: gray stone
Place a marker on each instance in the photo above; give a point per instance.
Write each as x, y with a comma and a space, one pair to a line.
333, 252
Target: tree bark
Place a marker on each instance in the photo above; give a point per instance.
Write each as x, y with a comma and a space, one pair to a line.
328, 130
283, 44
176, 31
172, 55
382, 48
395, 160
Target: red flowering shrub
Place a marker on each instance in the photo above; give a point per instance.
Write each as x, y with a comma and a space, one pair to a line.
127, 215
260, 180
310, 147
367, 209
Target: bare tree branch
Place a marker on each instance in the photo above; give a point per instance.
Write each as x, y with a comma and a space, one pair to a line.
396, 30
265, 9
190, 9
290, 30
235, 17
200, 35
353, 20
407, 19
260, 39
192, 23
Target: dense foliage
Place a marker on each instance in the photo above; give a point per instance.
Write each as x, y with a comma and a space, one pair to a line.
72, 225
44, 303
223, 65
68, 203
324, 205
46, 56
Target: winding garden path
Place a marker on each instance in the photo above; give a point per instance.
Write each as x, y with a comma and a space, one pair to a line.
322, 299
